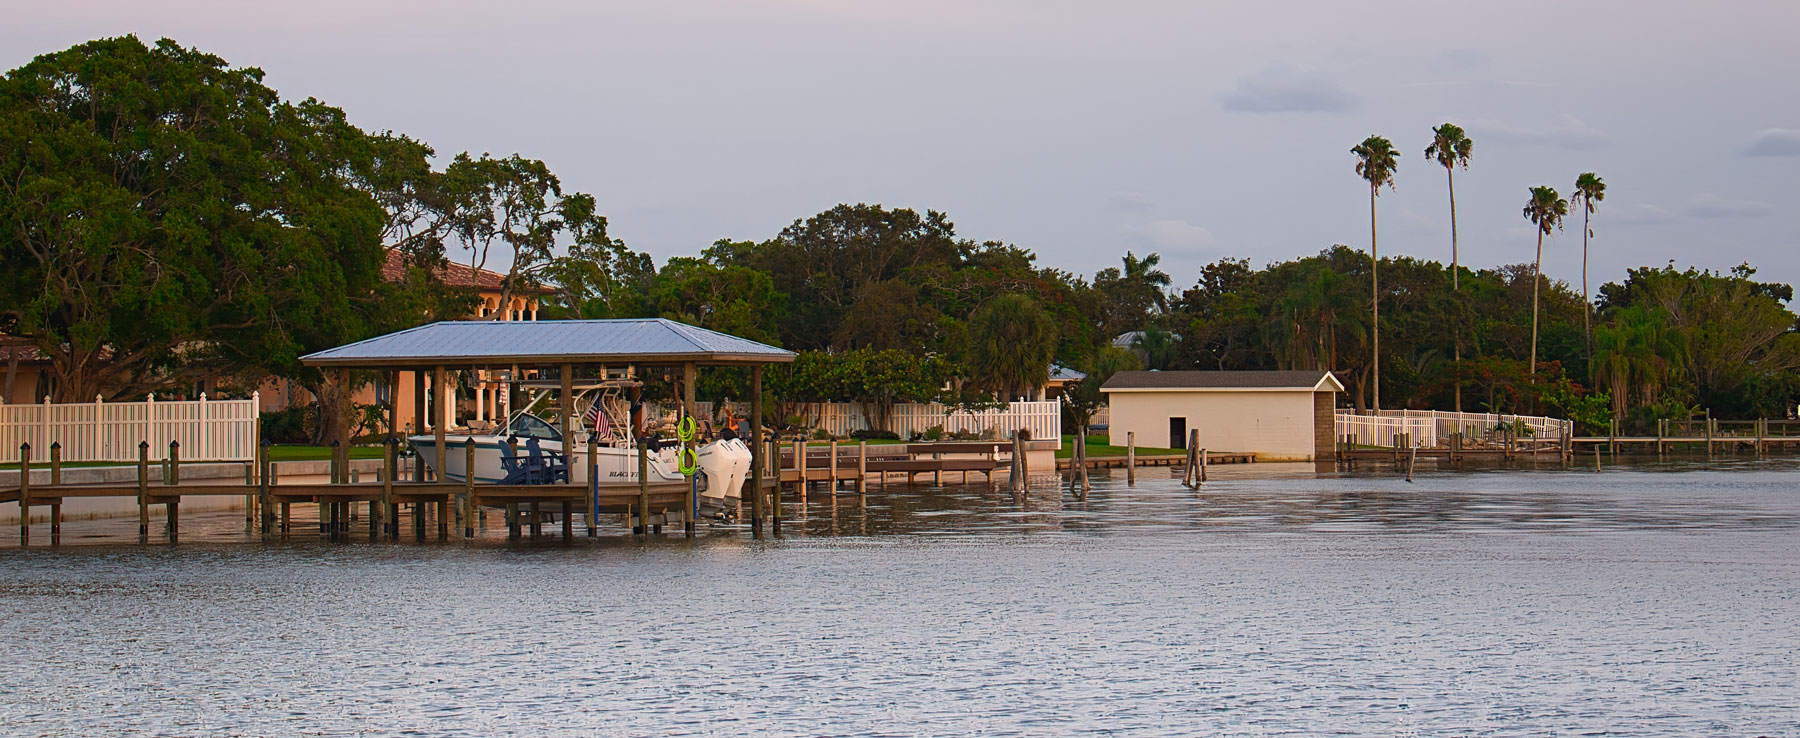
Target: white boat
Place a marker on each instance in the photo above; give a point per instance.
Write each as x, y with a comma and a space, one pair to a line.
530, 445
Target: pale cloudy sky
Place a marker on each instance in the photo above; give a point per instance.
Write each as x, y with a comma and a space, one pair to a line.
1077, 129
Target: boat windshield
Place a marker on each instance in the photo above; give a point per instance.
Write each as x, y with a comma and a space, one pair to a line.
526, 425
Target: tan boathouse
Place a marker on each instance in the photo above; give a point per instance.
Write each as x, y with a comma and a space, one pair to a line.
1276, 415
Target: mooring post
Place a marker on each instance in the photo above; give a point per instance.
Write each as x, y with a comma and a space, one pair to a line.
467, 503
1202, 467
56, 463
1085, 487
173, 505
537, 519
862, 466
143, 491
593, 476
25, 494
759, 448
265, 508
1596, 459
1025, 460
643, 506
1659, 435
1709, 433
1412, 459
1131, 458
390, 512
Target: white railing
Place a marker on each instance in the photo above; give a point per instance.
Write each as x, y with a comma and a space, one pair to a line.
1433, 428
1042, 419
209, 430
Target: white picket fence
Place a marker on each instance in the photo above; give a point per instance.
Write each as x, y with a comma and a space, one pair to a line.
1433, 428
209, 430
1042, 419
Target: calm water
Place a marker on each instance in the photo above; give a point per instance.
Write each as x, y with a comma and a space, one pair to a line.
1658, 600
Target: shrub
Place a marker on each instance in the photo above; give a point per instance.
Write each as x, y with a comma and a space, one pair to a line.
293, 425
874, 435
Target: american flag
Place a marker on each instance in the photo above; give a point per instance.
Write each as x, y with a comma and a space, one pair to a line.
597, 422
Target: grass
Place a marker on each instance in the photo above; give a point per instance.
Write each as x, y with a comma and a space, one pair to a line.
1097, 445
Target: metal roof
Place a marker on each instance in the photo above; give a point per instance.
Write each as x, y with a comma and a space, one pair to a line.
481, 342
1299, 379
1060, 373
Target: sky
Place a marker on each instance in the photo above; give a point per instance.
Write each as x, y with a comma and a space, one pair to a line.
1079, 130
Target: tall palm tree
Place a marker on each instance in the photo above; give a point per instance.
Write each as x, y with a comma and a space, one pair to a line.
1546, 209
1376, 160
1451, 148
1589, 189
1011, 343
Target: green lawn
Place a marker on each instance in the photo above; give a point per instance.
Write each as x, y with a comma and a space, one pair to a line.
1097, 446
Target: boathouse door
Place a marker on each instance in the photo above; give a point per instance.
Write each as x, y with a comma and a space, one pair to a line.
1178, 433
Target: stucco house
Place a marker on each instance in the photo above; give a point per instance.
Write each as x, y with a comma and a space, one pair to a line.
1276, 415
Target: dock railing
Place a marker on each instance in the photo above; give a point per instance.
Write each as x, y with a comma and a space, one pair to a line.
209, 430
909, 420
1434, 428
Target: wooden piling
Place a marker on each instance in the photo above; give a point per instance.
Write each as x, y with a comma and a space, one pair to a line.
440, 394
862, 466
1202, 468
390, 464
1596, 459
1709, 433
265, 507
643, 505
1131, 458
1085, 486
593, 475
536, 519
24, 494
759, 451
467, 503
172, 508
1412, 459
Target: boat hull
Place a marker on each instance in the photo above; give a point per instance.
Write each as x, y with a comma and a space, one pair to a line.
723, 464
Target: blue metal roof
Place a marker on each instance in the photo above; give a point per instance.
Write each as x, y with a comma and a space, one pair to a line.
1060, 373
475, 342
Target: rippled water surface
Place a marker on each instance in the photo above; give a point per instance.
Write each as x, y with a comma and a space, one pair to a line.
1649, 600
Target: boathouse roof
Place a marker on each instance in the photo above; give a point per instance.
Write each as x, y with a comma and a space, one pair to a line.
483, 342
1297, 380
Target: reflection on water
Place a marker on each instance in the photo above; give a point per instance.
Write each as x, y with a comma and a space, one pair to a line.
1656, 599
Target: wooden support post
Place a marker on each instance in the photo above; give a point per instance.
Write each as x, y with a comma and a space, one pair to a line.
862, 467
172, 508
537, 519
1709, 433
565, 404
568, 520
1612, 435
265, 505
1081, 437
759, 451
25, 494
143, 491
443, 518
1131, 458
55, 463
467, 504
1761, 428
689, 376
390, 464
643, 506
1202, 467
513, 531
593, 475
1660, 424
1596, 459
440, 394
